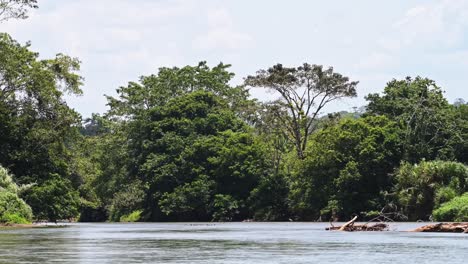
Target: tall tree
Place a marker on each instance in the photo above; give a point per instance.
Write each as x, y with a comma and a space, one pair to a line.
36, 125
459, 142
305, 91
431, 126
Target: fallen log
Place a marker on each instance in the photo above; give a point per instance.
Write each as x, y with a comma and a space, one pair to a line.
351, 226
364, 227
349, 223
444, 227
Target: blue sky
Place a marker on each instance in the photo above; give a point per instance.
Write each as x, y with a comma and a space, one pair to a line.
370, 41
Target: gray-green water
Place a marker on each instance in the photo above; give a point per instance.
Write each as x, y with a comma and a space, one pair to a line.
227, 243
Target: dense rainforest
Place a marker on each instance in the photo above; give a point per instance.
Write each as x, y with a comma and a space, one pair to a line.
185, 144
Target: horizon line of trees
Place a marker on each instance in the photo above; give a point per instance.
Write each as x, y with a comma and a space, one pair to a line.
184, 144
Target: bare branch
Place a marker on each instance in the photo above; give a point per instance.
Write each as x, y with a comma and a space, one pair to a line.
15, 9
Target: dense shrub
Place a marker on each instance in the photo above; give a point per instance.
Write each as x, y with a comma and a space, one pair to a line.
53, 200
13, 210
347, 168
132, 217
454, 210
126, 202
421, 187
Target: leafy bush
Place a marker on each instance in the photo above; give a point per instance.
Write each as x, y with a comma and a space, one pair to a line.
443, 195
16, 218
190, 200
126, 201
268, 200
54, 199
421, 187
92, 211
132, 217
13, 210
454, 210
225, 207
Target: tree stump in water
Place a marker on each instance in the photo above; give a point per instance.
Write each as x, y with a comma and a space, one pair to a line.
444, 227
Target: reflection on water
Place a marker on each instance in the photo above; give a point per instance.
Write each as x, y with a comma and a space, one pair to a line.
227, 243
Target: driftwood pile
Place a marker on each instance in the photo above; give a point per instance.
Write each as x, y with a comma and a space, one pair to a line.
444, 227
351, 226
382, 226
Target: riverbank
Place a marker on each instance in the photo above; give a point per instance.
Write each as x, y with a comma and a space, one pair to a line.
35, 225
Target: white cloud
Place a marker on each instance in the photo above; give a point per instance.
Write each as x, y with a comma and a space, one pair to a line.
436, 25
219, 18
222, 39
377, 61
221, 33
119, 40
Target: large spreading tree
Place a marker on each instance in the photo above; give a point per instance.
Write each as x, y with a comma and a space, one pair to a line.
304, 91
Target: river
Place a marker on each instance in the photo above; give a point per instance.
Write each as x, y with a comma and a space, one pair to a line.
256, 243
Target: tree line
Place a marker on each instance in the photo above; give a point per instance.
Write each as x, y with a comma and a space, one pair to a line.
184, 144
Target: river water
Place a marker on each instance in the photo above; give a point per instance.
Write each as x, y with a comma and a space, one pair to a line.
256, 243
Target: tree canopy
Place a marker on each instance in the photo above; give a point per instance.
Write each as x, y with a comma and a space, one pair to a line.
186, 144
36, 125
432, 127
305, 91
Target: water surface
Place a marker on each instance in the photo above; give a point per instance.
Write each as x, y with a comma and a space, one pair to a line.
227, 243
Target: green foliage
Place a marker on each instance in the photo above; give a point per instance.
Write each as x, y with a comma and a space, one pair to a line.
106, 147
191, 149
192, 198
6, 181
89, 164
269, 200
459, 142
13, 210
455, 210
444, 194
16, 218
419, 188
92, 211
12, 205
53, 200
185, 145
127, 200
37, 127
346, 169
157, 89
134, 216
431, 127
10, 219
169, 133
225, 207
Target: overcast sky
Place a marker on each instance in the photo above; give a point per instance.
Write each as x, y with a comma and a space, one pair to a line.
370, 41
